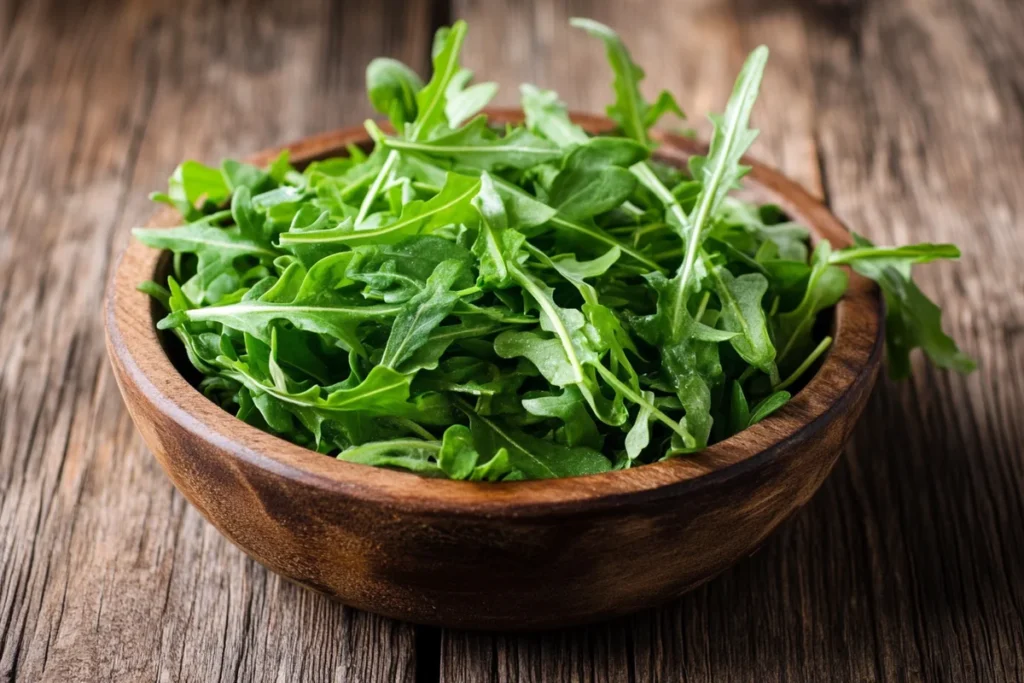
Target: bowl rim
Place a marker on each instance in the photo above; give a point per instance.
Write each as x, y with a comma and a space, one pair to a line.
849, 368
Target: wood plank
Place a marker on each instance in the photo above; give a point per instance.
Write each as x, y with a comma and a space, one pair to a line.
105, 572
906, 565
692, 49
921, 141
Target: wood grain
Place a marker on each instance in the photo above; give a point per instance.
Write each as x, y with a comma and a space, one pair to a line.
907, 565
907, 114
105, 572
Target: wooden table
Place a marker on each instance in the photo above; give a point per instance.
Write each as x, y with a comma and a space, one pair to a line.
906, 115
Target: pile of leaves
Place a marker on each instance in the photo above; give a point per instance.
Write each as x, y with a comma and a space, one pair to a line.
524, 302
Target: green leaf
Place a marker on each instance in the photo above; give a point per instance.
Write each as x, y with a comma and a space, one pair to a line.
238, 175
630, 110
449, 206
317, 308
426, 357
546, 353
789, 239
216, 250
477, 146
208, 242
546, 115
566, 324
392, 88
689, 356
664, 104
537, 458
578, 428
639, 435
396, 272
893, 256
742, 313
413, 455
721, 170
190, 181
498, 468
251, 223
422, 313
431, 102
432, 99
912, 319
793, 329
495, 245
767, 406
522, 206
458, 456
595, 178
607, 331
465, 101
739, 410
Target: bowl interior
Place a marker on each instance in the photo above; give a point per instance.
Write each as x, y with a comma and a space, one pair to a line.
157, 362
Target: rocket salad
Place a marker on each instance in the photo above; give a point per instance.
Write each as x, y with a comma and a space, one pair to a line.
519, 302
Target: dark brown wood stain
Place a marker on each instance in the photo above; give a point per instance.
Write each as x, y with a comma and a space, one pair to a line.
906, 566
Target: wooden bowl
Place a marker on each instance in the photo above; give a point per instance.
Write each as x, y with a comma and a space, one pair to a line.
520, 555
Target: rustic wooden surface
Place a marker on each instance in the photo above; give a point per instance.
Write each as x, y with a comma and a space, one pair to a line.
907, 115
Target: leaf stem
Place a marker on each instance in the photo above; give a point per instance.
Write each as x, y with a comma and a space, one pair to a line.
548, 306
646, 175
747, 374
633, 396
378, 182
808, 362
415, 428
599, 235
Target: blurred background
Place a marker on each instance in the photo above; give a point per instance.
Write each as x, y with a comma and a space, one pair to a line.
905, 116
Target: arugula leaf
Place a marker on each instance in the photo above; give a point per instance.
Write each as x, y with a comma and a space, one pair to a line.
630, 110
826, 285
912, 319
450, 205
392, 88
894, 256
407, 454
578, 428
423, 313
477, 146
689, 356
495, 244
767, 406
458, 455
238, 175
316, 308
465, 101
537, 458
545, 114
190, 181
721, 170
396, 272
432, 99
216, 250
497, 305
211, 244
739, 409
595, 178
639, 435
742, 313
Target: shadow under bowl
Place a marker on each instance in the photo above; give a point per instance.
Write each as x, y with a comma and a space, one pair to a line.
521, 555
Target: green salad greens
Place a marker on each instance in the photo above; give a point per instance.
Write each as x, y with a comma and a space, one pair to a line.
495, 303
